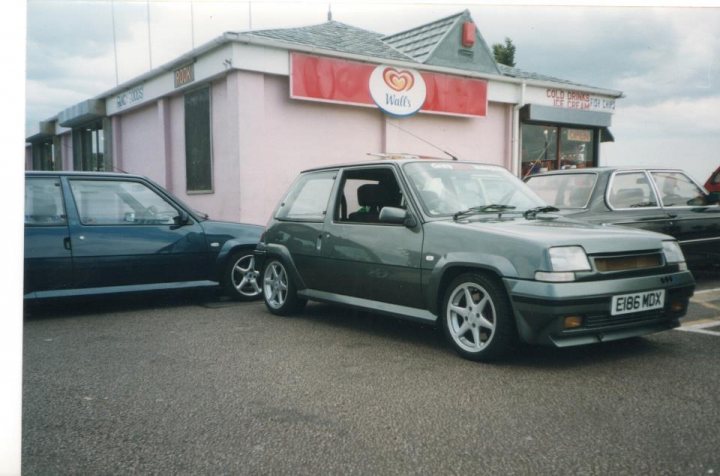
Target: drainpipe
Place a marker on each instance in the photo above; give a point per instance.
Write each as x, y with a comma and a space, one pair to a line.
515, 165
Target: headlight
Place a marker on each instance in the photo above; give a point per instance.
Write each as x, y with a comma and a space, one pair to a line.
564, 261
673, 254
569, 258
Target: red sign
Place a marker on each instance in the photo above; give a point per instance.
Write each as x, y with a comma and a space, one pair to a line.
347, 82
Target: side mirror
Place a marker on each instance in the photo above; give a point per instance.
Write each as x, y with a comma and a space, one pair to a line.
713, 198
397, 216
181, 219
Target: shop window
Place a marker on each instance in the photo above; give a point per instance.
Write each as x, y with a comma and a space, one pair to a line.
198, 144
89, 147
43, 155
576, 148
547, 147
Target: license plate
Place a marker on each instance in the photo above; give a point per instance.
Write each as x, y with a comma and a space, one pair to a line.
637, 302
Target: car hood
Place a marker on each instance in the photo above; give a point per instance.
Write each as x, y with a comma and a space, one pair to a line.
558, 231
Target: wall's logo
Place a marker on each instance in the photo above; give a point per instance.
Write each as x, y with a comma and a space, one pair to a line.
398, 92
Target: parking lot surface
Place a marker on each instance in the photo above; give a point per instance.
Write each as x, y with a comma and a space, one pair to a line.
190, 384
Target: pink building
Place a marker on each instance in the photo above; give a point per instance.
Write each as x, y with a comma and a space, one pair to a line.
227, 126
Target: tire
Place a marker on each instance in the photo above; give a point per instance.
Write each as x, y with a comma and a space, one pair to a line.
477, 319
279, 290
240, 278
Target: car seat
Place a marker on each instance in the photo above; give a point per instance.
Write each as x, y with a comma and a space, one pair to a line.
370, 197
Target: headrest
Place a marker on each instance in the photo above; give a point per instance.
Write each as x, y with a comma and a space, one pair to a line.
370, 195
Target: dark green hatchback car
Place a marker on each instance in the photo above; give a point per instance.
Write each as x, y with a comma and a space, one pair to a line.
471, 247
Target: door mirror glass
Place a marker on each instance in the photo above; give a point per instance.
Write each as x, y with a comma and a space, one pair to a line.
396, 216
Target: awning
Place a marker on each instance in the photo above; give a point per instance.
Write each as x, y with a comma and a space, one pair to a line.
81, 113
557, 115
605, 135
46, 130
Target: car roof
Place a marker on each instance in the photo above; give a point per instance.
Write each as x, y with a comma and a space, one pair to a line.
392, 160
604, 169
41, 173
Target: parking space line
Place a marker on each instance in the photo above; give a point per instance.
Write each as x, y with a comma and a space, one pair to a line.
700, 327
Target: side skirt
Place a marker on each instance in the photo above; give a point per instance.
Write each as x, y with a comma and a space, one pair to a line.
404, 312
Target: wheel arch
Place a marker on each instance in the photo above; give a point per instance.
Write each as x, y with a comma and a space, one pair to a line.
277, 251
451, 266
229, 248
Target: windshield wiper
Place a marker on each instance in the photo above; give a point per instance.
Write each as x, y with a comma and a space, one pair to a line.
532, 212
493, 207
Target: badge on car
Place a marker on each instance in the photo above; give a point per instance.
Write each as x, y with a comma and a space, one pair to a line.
637, 302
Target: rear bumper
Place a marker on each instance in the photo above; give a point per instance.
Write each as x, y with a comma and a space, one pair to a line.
540, 308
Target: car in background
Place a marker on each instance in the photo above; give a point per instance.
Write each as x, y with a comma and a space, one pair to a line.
661, 200
470, 247
92, 233
713, 182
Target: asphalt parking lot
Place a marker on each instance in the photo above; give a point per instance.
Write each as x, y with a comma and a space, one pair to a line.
190, 384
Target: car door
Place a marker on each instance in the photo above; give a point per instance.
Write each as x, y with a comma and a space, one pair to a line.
694, 222
363, 257
632, 201
48, 258
124, 231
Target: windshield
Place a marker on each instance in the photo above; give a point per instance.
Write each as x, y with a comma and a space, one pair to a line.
446, 188
564, 191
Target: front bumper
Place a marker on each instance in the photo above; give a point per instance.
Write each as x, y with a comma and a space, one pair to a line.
540, 308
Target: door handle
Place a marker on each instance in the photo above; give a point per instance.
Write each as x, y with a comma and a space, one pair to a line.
66, 243
672, 215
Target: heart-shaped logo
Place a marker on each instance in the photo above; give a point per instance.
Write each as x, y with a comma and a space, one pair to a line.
399, 80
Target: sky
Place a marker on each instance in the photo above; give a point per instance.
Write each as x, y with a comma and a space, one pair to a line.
666, 60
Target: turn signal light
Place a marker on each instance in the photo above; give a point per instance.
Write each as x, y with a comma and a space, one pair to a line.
571, 322
677, 306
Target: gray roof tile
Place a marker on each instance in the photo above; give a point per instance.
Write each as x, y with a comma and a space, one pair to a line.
421, 41
336, 36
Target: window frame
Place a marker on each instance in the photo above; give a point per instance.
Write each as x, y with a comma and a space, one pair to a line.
651, 183
211, 162
340, 193
63, 203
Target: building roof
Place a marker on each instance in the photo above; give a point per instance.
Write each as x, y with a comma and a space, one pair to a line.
336, 36
513, 72
420, 42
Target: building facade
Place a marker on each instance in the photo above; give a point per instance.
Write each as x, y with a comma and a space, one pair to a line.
227, 126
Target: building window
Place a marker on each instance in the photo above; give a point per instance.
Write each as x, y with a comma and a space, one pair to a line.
89, 147
43, 155
549, 147
198, 144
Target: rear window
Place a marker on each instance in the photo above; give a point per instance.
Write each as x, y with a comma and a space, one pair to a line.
564, 191
308, 197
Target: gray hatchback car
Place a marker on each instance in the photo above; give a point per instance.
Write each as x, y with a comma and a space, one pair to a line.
471, 247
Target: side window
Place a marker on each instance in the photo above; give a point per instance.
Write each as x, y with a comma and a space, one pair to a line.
308, 197
118, 202
44, 202
364, 192
631, 190
677, 190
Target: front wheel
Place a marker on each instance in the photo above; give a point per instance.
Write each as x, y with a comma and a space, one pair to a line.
279, 291
477, 319
240, 279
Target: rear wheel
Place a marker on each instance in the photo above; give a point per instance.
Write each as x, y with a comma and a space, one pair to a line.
279, 290
240, 278
477, 318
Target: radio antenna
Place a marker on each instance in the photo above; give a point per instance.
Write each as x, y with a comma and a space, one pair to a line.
423, 140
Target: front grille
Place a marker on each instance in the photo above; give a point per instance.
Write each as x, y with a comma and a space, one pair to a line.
606, 264
605, 319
